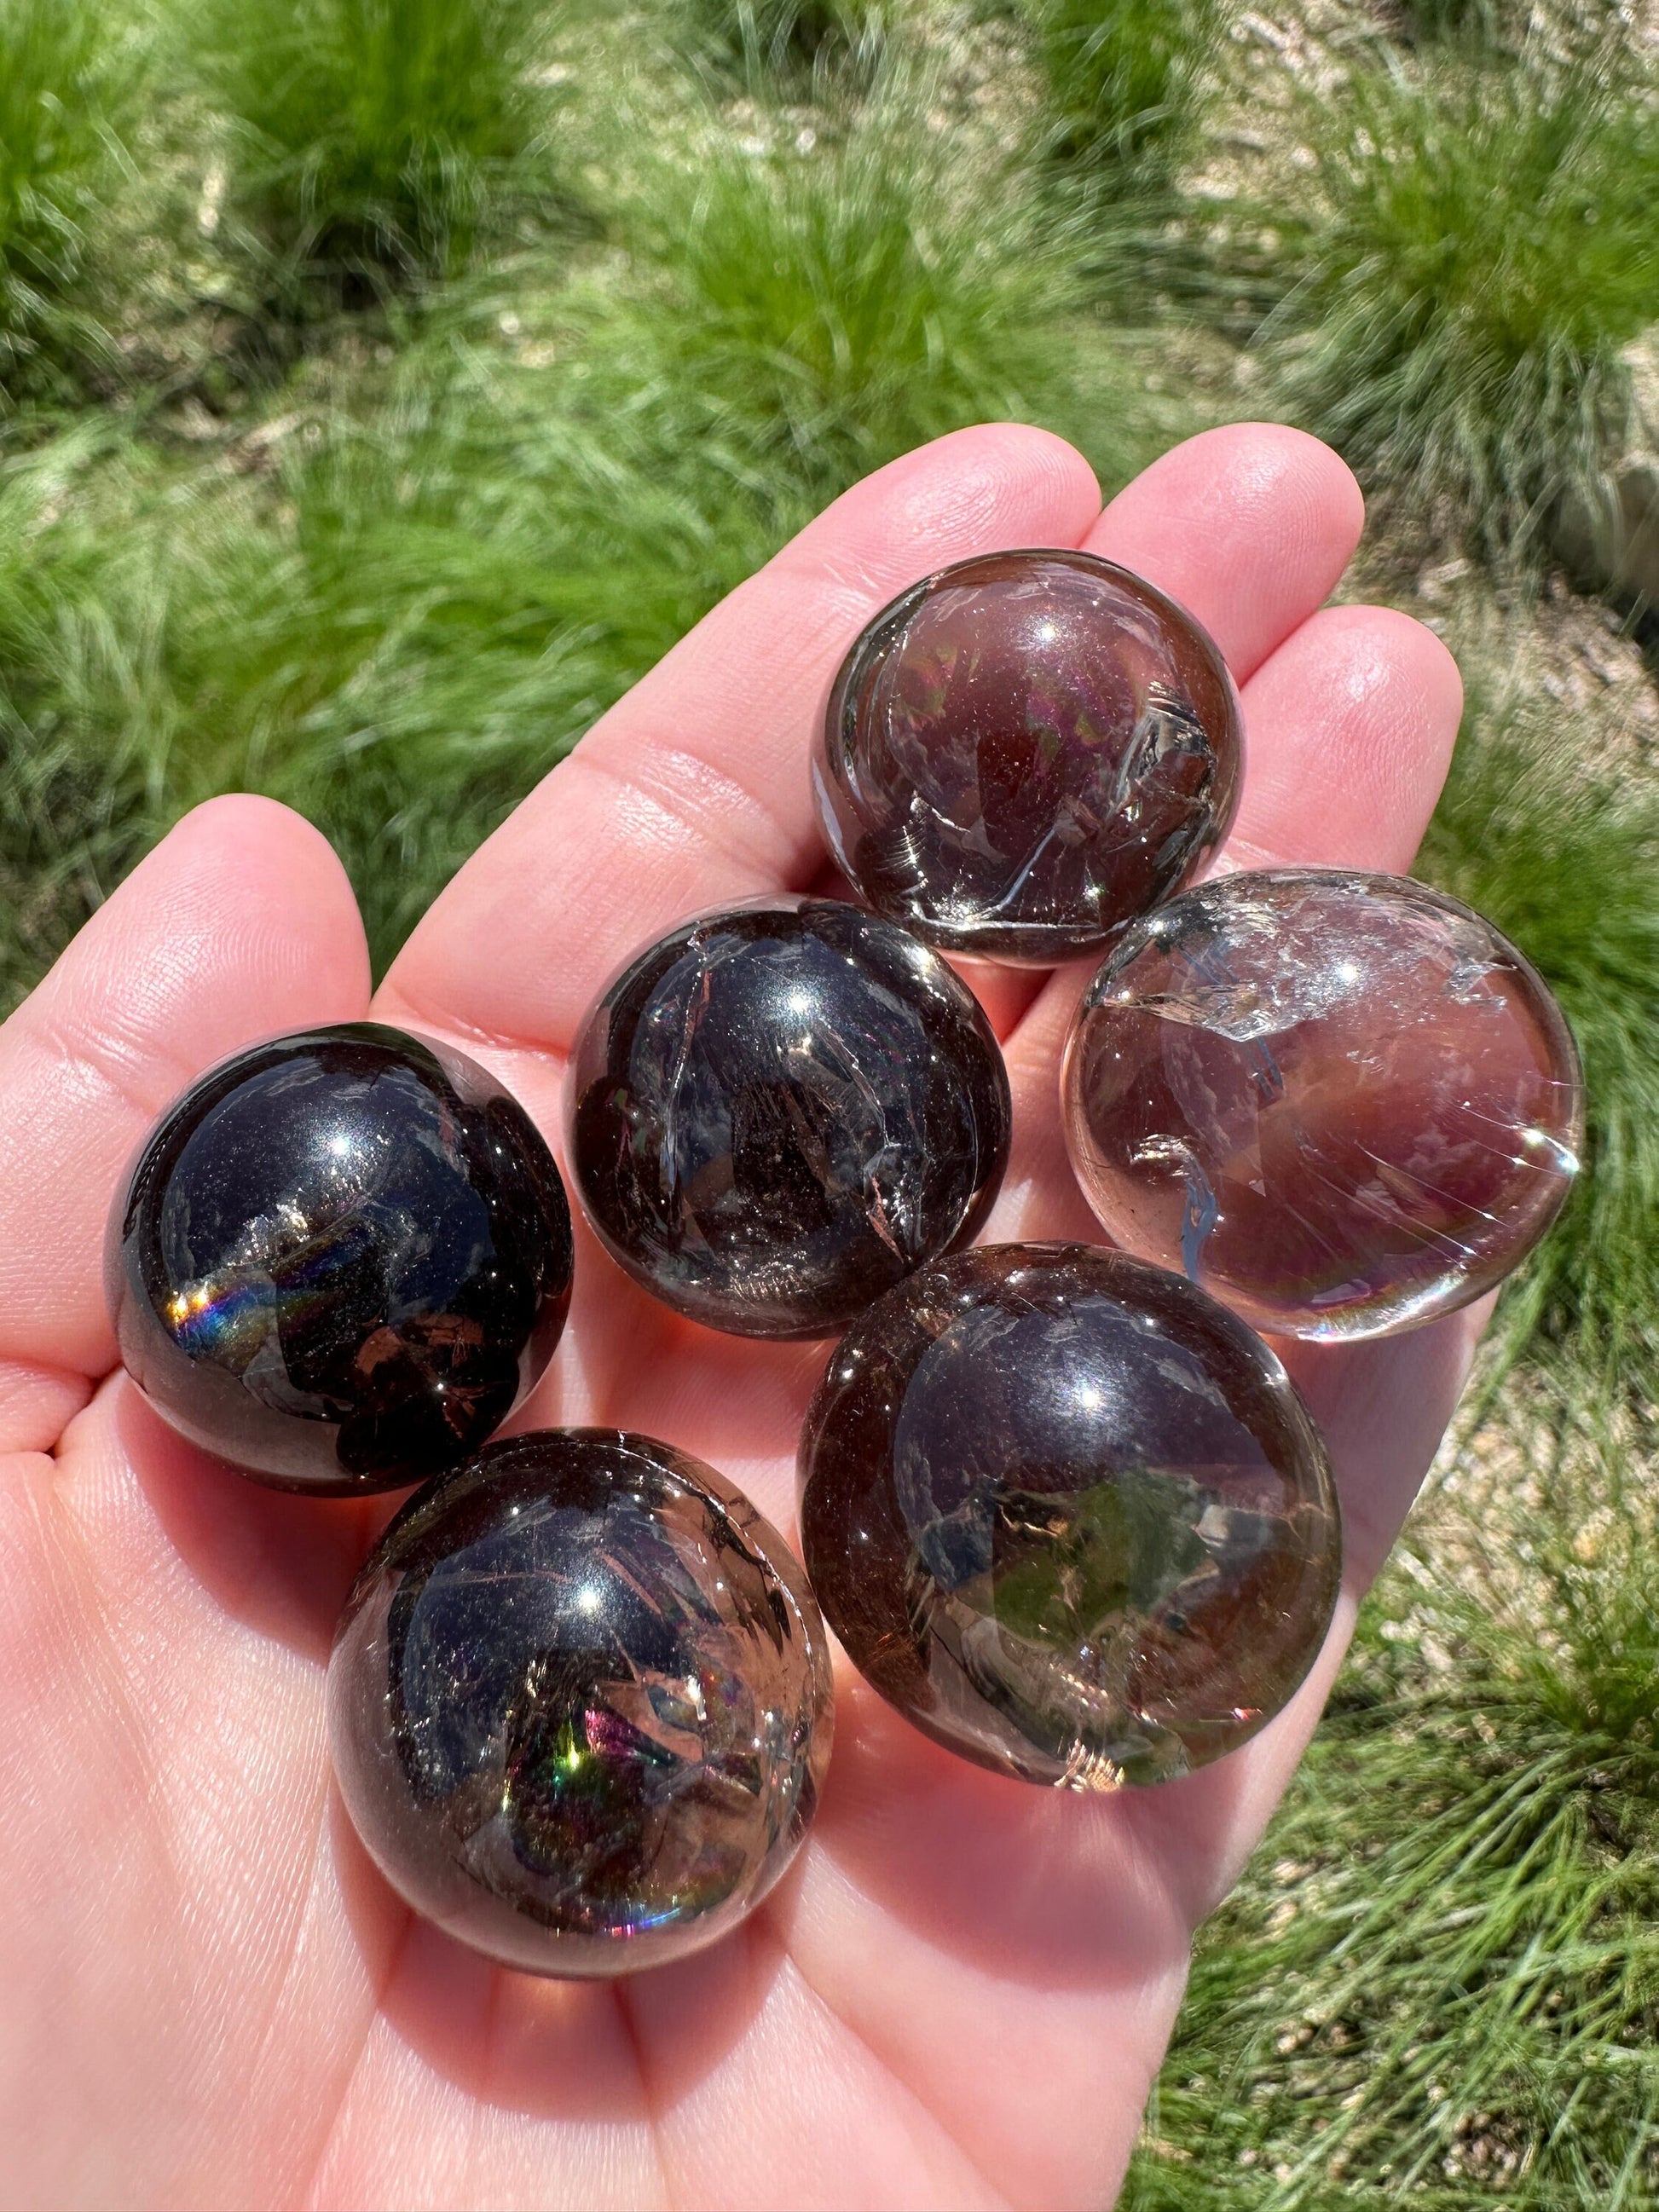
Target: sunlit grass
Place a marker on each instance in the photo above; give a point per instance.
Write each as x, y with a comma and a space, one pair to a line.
397, 614
396, 584
849, 303
1439, 1982
1127, 82
1478, 243
68, 75
397, 633
1440, 1977
376, 137
791, 41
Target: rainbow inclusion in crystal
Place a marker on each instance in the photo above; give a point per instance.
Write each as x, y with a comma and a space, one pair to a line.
580, 1703
340, 1259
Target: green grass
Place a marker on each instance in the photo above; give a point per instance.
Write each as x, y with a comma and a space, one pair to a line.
790, 41
377, 137
1479, 243
1567, 864
848, 304
67, 71
1480, 22
1128, 87
400, 611
1439, 1981
398, 632
1128, 83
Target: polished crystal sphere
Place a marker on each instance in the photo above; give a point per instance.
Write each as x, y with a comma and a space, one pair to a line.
780, 1109
580, 1703
1342, 1103
340, 1260
1068, 1515
1026, 750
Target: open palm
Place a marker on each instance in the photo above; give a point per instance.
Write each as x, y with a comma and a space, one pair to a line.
961, 1994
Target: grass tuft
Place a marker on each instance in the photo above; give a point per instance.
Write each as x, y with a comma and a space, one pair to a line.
397, 630
1483, 242
377, 137
790, 42
396, 615
67, 73
850, 303
1127, 82
1477, 22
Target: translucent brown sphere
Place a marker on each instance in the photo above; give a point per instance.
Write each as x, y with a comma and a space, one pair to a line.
340, 1260
1026, 750
779, 1110
1068, 1515
580, 1703
1343, 1103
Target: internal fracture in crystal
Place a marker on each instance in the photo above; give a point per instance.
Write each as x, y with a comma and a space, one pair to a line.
340, 1259
1342, 1103
1026, 750
1068, 1515
580, 1703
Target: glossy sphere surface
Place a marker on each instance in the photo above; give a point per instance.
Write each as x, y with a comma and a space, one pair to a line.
782, 1108
1026, 750
340, 1260
1068, 1515
580, 1703
1342, 1103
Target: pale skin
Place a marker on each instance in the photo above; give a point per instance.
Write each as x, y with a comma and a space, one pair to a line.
961, 1993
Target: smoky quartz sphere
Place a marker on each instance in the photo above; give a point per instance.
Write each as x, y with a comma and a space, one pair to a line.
580, 1703
1068, 1515
340, 1260
778, 1110
1342, 1103
1026, 750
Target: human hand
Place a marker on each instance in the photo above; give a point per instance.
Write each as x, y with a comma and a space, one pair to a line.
962, 1991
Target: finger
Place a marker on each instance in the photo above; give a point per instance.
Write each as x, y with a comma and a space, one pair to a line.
1349, 727
1249, 527
240, 923
695, 788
